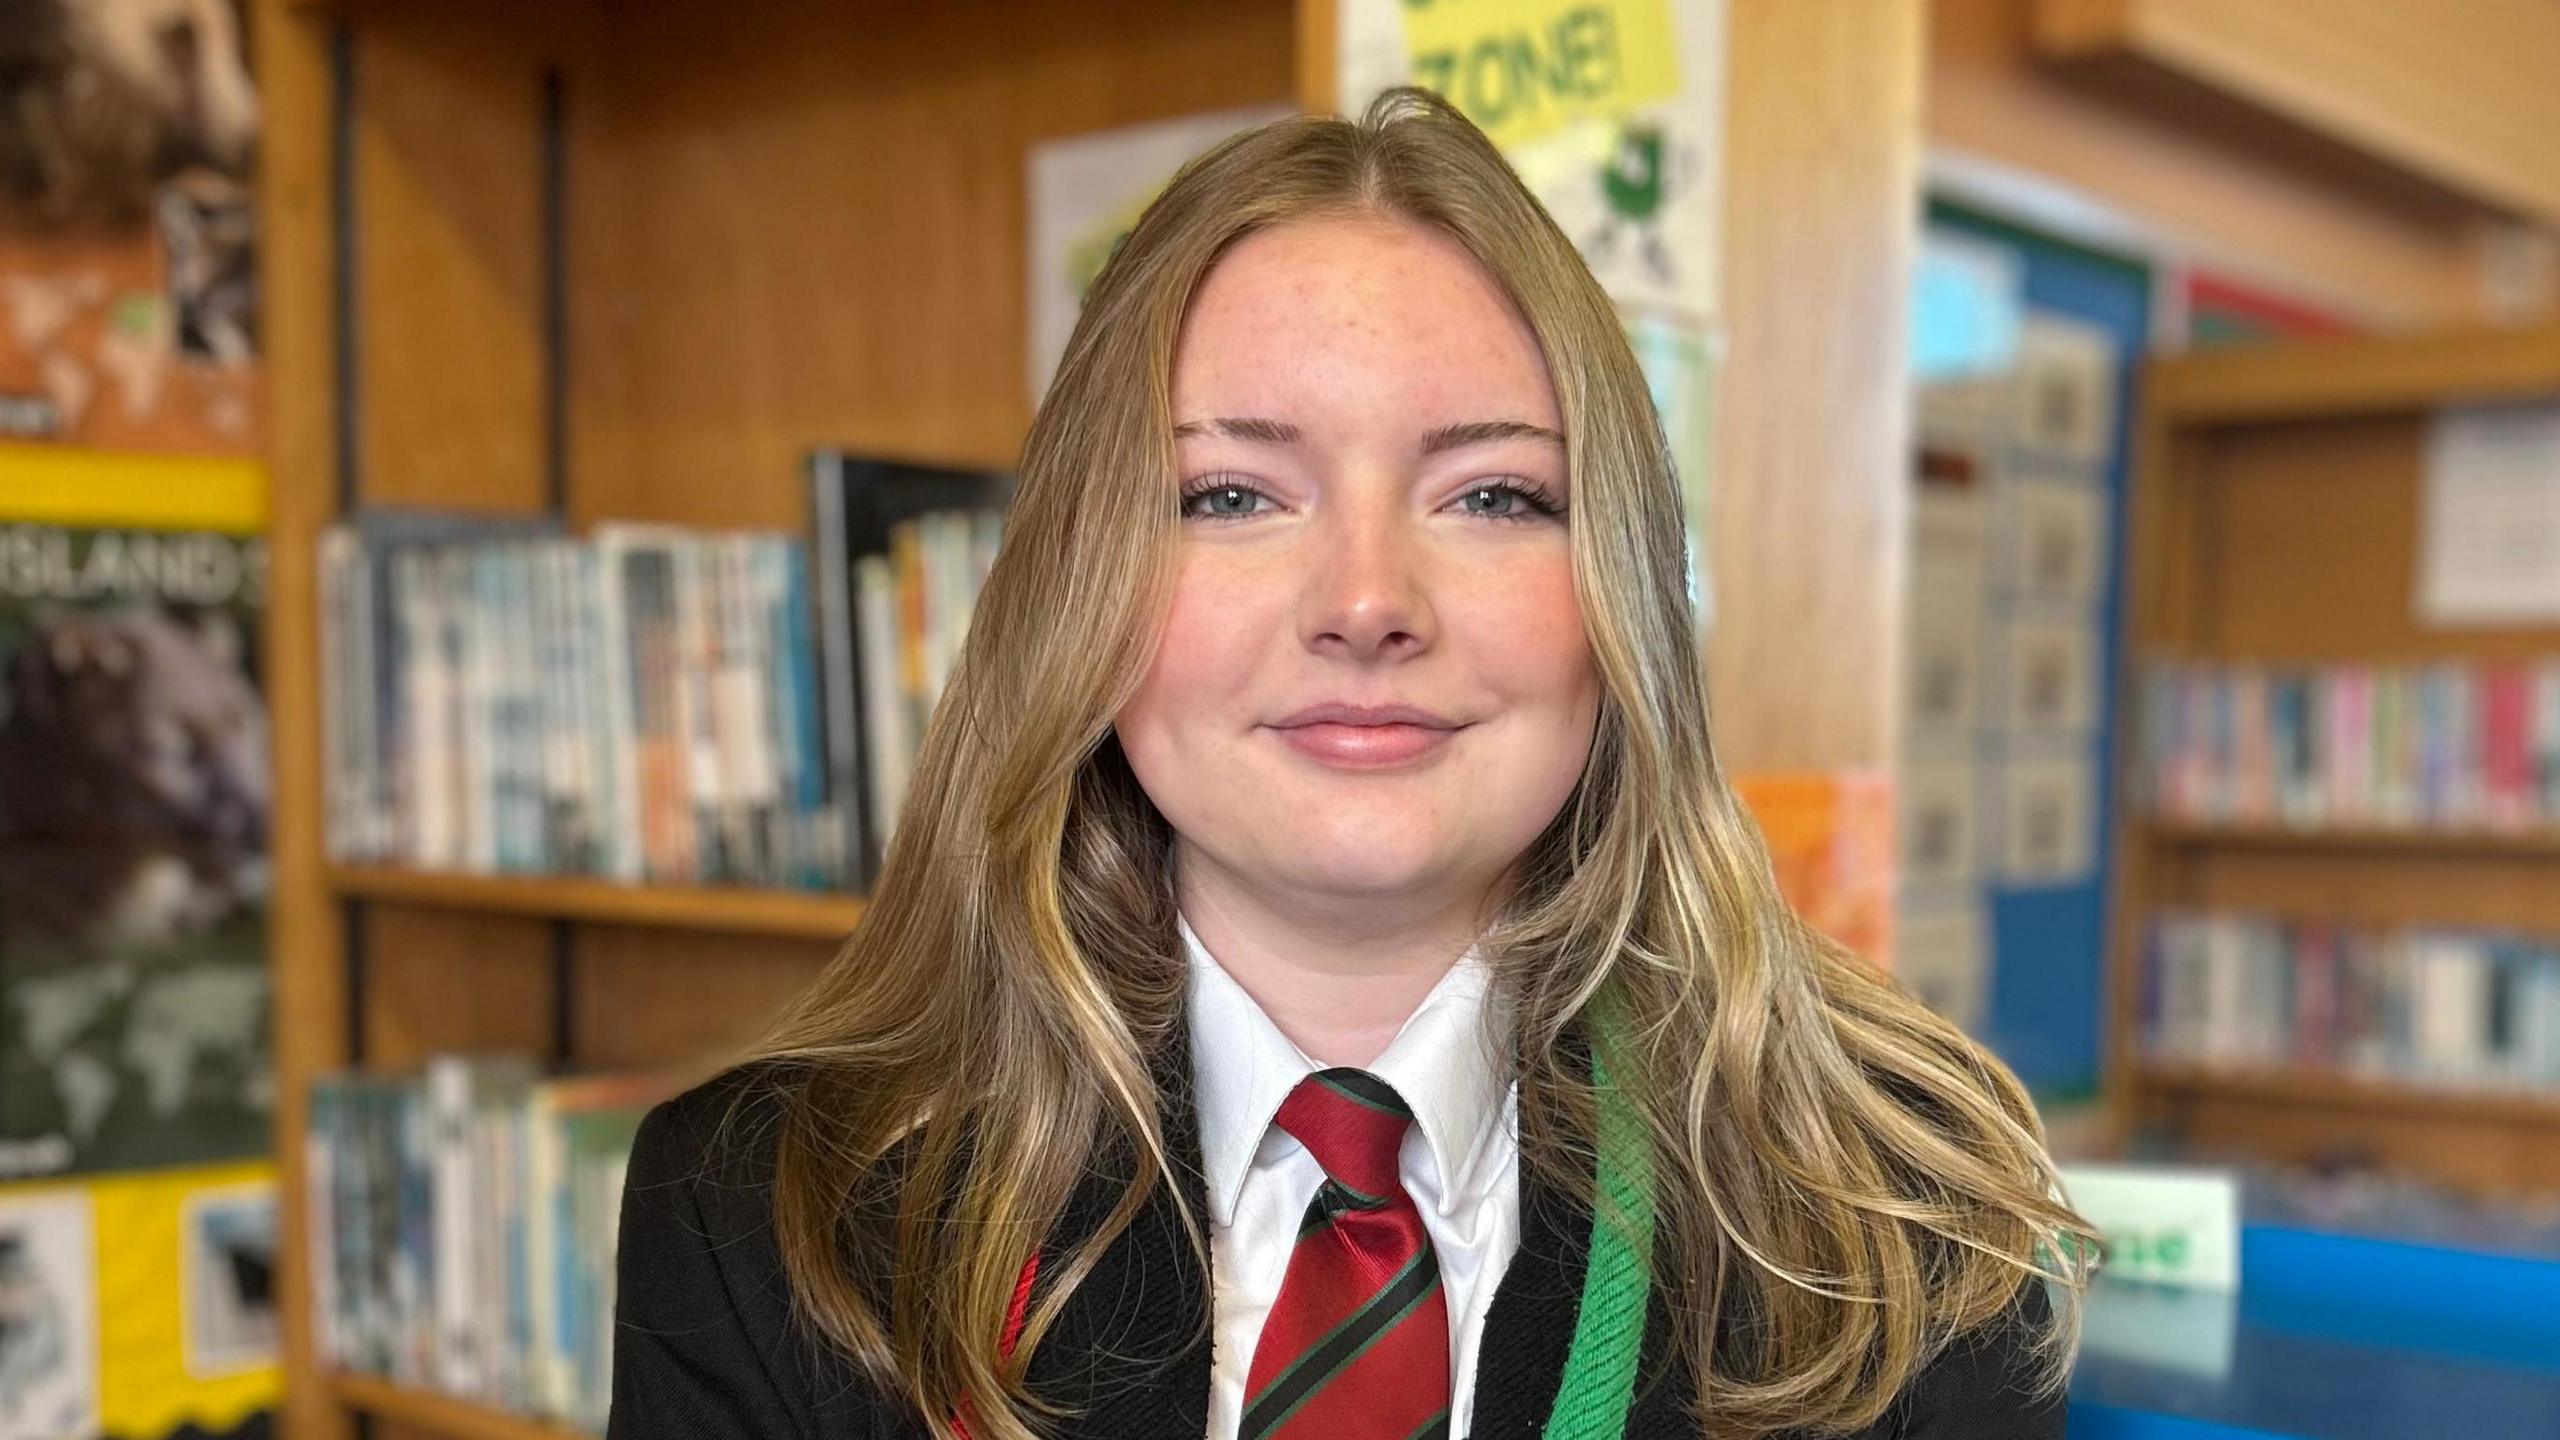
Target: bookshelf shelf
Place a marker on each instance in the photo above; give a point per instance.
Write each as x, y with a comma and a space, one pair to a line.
441, 1414
2380, 841
781, 914
2331, 1091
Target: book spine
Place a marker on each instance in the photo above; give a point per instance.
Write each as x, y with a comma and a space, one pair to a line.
704, 789
612, 711
885, 727
337, 722
321, 1151
842, 670
448, 1104
2546, 742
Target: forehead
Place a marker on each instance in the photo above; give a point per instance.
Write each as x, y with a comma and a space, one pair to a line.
1341, 314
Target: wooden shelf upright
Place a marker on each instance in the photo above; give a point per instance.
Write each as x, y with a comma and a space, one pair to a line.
2277, 522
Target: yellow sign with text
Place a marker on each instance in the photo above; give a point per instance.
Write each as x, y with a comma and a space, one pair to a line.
1524, 69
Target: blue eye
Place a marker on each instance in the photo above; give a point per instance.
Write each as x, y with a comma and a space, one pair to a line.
1537, 502
1220, 486
1534, 503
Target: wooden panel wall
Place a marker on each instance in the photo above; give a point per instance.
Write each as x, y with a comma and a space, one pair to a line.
2309, 535
751, 284
1810, 508
2465, 97
449, 261
2367, 256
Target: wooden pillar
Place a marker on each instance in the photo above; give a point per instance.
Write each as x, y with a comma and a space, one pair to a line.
1809, 506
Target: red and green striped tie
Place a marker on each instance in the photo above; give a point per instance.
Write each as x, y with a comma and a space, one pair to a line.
1357, 1344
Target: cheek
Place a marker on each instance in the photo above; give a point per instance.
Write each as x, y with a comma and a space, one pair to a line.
1202, 662
1524, 634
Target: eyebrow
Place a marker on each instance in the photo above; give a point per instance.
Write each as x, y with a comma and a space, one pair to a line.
1447, 437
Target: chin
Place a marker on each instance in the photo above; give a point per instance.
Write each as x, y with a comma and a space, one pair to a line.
1366, 870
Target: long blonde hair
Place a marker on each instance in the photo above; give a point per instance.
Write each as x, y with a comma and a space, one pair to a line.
1833, 1161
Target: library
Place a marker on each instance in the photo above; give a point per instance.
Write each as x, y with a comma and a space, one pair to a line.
570, 581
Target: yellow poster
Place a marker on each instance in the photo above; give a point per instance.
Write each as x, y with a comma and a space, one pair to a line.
1524, 69
156, 1289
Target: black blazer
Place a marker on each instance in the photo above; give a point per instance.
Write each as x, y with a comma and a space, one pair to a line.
705, 1347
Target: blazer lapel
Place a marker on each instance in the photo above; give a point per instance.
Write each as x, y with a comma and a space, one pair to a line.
1528, 1331
1529, 1326
1131, 1350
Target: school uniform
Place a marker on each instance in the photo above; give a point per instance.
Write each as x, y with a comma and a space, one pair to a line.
706, 1348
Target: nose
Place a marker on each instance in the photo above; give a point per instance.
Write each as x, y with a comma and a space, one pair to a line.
1366, 592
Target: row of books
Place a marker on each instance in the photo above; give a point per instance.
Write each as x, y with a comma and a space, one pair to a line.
647, 702
2455, 745
2472, 1009
462, 1230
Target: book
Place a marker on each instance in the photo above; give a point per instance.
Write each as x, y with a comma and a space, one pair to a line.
464, 1219
2447, 746
612, 705
898, 552
2434, 1006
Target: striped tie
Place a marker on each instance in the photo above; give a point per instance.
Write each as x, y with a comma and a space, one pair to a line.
1357, 1344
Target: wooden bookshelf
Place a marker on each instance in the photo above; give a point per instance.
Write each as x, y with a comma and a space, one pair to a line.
709, 910
437, 1414
2381, 842
627, 261
2276, 520
2352, 1092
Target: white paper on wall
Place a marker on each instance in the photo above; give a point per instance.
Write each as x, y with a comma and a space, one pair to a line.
1944, 687
2489, 522
2051, 529
1941, 833
1085, 193
2049, 670
227, 1239
1943, 954
49, 1306
2063, 400
2048, 815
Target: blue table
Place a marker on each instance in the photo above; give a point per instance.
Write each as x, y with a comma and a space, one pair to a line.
2332, 1337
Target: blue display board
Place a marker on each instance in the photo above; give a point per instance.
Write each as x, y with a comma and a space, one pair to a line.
2043, 1012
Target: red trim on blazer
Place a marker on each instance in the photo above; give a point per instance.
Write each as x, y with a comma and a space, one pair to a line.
1013, 1317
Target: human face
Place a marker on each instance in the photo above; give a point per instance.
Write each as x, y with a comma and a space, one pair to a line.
1370, 450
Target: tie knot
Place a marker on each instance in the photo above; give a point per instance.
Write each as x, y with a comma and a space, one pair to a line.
1354, 1124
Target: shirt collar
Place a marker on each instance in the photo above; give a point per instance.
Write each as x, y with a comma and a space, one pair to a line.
1440, 1062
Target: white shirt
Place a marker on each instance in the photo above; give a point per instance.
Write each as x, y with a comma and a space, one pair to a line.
1458, 1161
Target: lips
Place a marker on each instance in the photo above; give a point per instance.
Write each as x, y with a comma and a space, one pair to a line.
1372, 737
1339, 712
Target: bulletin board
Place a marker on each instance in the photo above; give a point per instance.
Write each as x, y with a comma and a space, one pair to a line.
2015, 796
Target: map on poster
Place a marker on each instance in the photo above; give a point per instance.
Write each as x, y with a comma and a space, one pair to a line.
134, 822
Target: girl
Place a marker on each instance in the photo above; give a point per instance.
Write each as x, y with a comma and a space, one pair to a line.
1321, 987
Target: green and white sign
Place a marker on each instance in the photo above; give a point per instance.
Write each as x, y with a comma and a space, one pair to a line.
2169, 1225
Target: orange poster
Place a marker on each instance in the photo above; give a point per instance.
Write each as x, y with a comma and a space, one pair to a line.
128, 236
1831, 840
